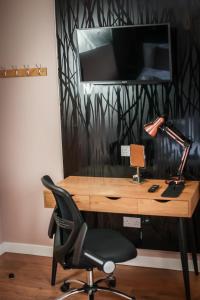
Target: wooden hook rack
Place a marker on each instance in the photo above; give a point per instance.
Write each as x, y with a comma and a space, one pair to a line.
23, 72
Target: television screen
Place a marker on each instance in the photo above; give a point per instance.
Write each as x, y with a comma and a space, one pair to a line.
125, 54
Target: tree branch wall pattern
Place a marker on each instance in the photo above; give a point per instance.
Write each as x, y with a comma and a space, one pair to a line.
97, 120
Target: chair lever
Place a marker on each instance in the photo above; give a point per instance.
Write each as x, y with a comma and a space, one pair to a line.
107, 266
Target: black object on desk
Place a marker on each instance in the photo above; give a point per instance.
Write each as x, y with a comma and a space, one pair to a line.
153, 188
173, 190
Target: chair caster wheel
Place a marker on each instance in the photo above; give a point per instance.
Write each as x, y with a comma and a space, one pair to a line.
65, 287
112, 282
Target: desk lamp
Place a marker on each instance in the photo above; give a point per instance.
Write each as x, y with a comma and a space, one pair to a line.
160, 124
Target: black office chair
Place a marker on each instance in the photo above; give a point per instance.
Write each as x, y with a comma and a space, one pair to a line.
77, 247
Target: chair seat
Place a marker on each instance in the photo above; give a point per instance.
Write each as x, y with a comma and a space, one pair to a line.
109, 245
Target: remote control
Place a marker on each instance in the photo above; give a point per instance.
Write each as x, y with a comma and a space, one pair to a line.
153, 188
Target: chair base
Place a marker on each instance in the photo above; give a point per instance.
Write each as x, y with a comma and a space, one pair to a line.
91, 288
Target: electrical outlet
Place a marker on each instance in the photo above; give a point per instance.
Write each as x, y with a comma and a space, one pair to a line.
132, 222
125, 150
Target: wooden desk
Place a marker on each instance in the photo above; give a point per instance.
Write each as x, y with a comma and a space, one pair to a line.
122, 195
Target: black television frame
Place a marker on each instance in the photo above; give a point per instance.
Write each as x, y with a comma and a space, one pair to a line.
127, 82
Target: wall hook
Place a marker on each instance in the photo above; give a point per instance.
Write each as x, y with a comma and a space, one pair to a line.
14, 71
38, 69
27, 70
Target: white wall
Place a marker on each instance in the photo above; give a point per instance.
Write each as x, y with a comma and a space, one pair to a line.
29, 119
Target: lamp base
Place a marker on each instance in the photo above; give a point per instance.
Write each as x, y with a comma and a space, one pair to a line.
175, 180
174, 189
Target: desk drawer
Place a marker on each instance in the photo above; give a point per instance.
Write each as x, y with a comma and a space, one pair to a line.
82, 202
113, 204
163, 207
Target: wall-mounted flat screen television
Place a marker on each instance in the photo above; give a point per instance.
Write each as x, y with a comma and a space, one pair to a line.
125, 54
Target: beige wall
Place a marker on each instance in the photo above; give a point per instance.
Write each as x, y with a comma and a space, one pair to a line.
29, 119
1, 229
1, 236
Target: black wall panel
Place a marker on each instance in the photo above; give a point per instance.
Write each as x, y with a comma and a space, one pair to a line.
97, 120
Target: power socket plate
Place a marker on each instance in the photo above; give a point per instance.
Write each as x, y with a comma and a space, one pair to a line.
132, 222
125, 150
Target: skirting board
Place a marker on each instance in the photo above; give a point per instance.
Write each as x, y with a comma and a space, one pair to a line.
146, 258
21, 248
160, 260
1, 249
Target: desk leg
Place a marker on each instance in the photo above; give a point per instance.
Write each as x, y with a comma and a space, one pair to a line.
53, 271
193, 245
184, 257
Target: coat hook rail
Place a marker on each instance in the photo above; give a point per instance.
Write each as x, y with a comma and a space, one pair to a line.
23, 72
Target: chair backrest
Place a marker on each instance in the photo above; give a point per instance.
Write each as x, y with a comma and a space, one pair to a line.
66, 215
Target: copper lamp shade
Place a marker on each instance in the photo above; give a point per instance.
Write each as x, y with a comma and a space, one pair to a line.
152, 127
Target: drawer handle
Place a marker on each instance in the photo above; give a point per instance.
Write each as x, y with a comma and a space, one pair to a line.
113, 198
162, 201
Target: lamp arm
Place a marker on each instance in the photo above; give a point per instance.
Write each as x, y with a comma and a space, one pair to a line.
177, 136
183, 161
184, 142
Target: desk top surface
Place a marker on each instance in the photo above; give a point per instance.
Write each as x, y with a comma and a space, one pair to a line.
122, 187
98, 194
